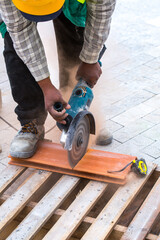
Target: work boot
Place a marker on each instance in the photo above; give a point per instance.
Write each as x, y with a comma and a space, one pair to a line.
25, 142
104, 137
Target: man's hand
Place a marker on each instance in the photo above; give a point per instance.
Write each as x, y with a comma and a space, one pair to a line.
51, 96
89, 72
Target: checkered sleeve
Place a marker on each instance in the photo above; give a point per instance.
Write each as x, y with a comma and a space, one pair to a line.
97, 28
26, 40
0, 18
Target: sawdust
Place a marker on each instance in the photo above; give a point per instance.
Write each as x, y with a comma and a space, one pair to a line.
95, 109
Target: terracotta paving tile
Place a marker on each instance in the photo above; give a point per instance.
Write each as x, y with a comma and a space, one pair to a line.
94, 164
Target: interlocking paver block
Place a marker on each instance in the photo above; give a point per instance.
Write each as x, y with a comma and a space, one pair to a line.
131, 130
155, 51
133, 114
131, 149
153, 133
113, 126
153, 89
153, 117
3, 124
141, 142
154, 102
128, 102
153, 150
110, 148
154, 63
138, 60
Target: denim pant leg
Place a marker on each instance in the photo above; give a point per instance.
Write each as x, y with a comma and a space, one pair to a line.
25, 90
69, 45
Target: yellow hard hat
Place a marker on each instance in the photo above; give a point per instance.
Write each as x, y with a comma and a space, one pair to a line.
39, 10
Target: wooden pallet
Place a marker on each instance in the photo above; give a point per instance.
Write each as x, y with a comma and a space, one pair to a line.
39, 205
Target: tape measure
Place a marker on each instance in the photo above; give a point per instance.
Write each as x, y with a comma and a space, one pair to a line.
139, 166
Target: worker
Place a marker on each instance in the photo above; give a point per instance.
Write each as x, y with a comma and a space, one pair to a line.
81, 28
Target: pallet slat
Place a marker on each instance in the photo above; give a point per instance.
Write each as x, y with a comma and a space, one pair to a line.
90, 220
44, 209
109, 216
8, 176
123, 229
158, 237
143, 220
74, 215
13, 205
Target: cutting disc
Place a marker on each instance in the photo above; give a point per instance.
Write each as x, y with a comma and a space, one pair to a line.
80, 141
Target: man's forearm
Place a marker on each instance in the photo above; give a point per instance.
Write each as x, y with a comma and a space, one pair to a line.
26, 40
97, 28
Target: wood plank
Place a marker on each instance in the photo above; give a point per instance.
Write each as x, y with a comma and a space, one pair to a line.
14, 204
109, 216
8, 176
74, 215
143, 220
44, 209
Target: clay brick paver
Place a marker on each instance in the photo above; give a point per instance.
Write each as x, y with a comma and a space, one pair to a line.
129, 87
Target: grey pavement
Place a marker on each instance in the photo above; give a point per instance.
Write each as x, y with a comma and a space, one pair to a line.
129, 86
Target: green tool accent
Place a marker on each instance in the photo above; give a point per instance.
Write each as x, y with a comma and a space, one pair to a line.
81, 1
3, 29
76, 11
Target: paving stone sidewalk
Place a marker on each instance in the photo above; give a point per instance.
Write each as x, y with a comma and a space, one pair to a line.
130, 84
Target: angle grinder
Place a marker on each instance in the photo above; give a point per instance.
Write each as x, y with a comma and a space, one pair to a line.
80, 122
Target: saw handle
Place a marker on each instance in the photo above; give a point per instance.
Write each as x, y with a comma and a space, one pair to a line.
58, 106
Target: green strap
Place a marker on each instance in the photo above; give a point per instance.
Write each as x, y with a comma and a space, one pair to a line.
3, 29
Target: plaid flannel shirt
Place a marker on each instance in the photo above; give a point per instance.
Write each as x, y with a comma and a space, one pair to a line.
28, 44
